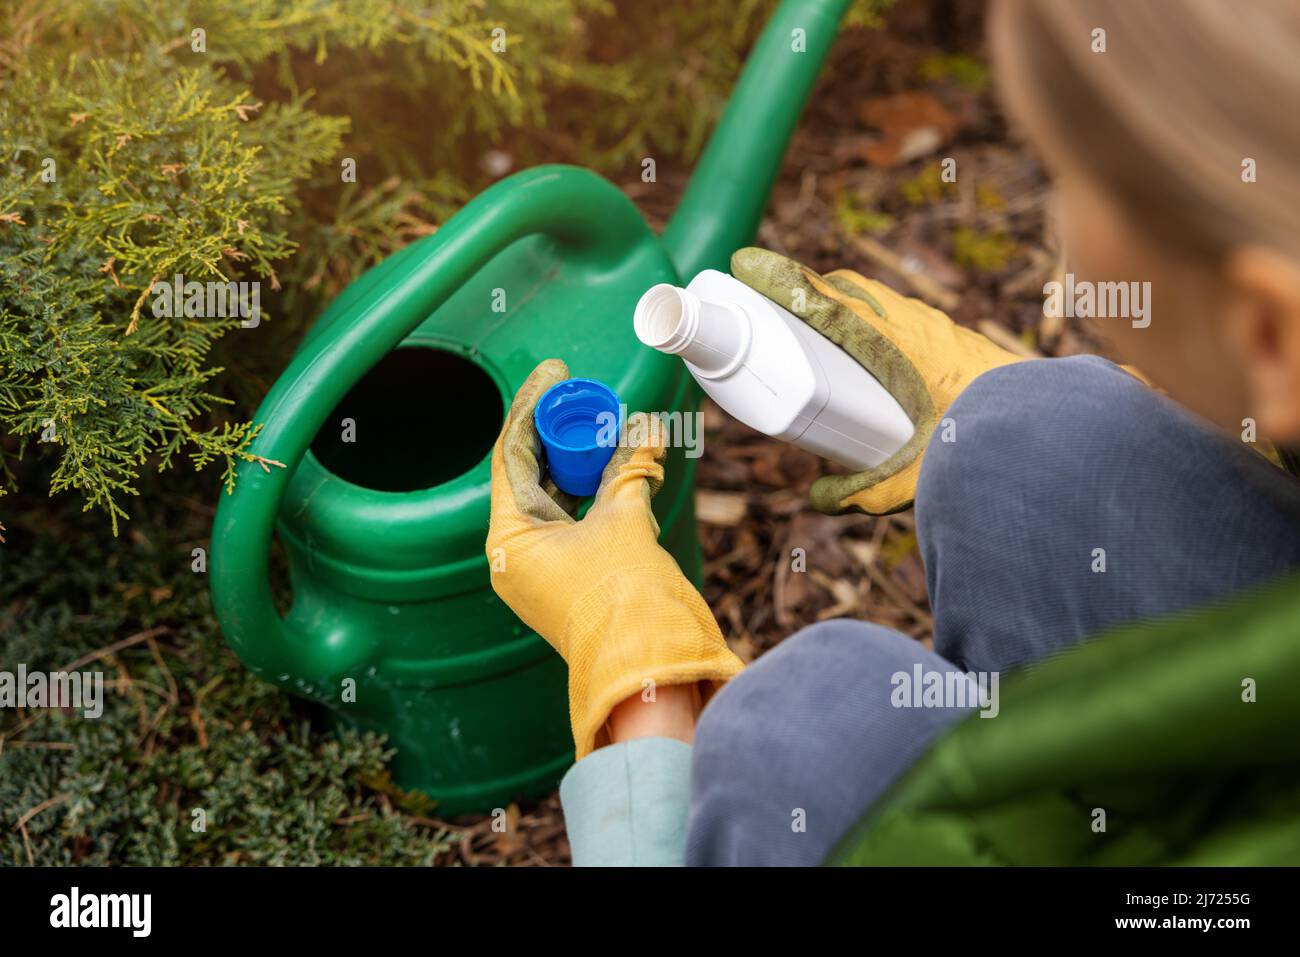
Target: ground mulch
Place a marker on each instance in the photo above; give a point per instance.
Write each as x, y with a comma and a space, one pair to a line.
892, 105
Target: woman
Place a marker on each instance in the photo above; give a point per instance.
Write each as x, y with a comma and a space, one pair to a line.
1055, 500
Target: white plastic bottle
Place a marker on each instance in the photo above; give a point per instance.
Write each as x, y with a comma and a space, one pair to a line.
772, 371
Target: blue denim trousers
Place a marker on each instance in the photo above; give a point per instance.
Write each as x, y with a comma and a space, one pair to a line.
1070, 499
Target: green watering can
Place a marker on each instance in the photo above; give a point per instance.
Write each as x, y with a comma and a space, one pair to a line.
386, 416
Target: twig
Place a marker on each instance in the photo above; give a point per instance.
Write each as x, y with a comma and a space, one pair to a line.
117, 646
1007, 339
43, 806
47, 745
200, 727
135, 311
890, 588
174, 693
27, 846
925, 287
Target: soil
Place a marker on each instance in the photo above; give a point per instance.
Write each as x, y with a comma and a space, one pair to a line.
863, 189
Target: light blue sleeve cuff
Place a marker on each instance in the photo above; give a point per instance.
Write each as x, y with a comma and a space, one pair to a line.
625, 804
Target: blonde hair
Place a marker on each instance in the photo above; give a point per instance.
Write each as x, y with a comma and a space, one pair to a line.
1166, 117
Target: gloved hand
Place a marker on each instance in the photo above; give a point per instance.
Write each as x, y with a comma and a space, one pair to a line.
602, 591
918, 354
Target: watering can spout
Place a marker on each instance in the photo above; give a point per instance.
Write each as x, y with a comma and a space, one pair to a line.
728, 192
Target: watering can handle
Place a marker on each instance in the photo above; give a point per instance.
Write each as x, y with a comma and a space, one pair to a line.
573, 206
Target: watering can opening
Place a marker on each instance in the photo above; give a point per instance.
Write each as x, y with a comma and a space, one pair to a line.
421, 417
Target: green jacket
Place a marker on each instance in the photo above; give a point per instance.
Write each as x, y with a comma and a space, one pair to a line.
1174, 742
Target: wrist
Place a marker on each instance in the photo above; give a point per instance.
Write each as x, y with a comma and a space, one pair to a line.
657, 712
647, 645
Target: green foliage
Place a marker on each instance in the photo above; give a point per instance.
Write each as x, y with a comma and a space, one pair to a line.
128, 156
984, 251
855, 216
926, 187
988, 197
967, 71
121, 172
225, 165
185, 726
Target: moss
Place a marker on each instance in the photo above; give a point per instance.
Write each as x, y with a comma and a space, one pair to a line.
896, 547
969, 72
856, 217
989, 198
926, 187
985, 252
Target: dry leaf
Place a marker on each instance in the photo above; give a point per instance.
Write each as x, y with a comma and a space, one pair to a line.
510, 840
720, 508
911, 125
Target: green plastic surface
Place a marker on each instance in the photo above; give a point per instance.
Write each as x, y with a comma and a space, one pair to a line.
394, 625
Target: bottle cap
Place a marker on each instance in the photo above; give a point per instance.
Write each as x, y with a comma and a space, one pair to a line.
579, 422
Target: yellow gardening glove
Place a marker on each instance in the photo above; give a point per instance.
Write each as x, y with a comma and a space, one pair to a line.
918, 354
601, 590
